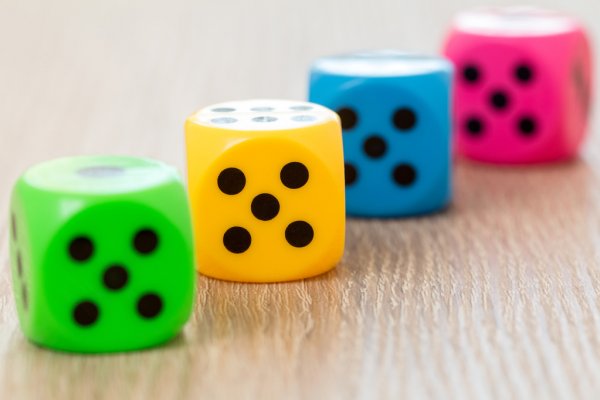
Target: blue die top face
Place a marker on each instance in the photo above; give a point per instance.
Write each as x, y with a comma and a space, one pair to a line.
395, 113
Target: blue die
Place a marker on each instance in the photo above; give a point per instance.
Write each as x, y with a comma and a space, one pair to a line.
395, 113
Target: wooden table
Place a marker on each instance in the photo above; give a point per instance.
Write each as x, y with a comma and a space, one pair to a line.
495, 298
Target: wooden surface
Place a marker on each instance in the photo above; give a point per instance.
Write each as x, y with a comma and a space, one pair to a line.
495, 298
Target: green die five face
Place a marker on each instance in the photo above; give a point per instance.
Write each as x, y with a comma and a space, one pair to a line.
101, 254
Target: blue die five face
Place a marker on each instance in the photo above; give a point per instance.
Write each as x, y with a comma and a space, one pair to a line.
395, 113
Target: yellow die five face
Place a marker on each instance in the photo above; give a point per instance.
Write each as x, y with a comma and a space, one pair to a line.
266, 184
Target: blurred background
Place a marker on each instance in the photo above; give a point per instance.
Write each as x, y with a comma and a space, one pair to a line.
114, 71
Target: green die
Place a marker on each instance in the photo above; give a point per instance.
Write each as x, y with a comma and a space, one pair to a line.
101, 254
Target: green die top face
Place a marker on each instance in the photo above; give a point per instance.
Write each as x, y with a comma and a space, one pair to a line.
111, 268
98, 175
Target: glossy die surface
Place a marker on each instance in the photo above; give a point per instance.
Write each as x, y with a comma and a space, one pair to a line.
523, 85
101, 253
266, 186
395, 115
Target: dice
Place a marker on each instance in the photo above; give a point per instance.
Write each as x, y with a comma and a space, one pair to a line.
523, 85
395, 114
266, 187
102, 254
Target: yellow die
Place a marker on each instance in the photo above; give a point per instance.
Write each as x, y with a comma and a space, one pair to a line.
266, 185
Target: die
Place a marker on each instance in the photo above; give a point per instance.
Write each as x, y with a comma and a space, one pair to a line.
395, 114
266, 187
523, 85
102, 254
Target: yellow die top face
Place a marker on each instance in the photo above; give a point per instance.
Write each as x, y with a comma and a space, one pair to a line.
267, 206
263, 116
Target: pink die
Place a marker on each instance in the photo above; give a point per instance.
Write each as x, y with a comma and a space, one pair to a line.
523, 85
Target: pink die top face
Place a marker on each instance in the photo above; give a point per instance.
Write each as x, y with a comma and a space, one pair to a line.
522, 86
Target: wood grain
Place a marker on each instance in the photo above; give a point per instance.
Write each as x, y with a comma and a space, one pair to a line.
497, 297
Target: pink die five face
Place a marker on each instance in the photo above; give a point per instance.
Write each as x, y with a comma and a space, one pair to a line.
523, 85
